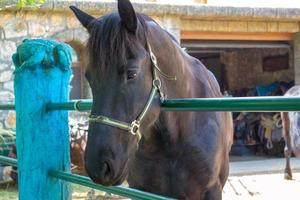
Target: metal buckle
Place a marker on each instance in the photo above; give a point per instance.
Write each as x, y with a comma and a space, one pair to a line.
157, 83
153, 58
134, 127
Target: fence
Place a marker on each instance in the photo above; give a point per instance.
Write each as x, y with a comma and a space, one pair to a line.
41, 103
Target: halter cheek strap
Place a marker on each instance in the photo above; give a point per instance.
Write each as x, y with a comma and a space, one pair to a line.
134, 126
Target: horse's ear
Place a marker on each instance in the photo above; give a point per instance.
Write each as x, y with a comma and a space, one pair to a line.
83, 17
127, 14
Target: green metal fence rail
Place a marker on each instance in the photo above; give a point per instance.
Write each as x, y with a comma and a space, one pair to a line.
80, 105
8, 161
7, 107
85, 181
119, 190
253, 104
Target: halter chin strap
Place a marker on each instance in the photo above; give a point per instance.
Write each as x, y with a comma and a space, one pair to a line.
134, 126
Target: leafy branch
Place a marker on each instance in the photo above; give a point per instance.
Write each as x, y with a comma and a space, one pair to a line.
22, 3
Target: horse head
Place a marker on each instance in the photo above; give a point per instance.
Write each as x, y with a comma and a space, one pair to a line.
125, 88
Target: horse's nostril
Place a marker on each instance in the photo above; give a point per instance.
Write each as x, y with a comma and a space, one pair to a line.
106, 169
106, 172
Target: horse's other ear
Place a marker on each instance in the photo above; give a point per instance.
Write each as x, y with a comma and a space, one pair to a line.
83, 17
127, 14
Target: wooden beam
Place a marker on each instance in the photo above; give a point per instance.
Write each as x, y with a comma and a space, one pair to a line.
197, 35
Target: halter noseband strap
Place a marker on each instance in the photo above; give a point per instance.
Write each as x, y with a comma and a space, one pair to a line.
134, 126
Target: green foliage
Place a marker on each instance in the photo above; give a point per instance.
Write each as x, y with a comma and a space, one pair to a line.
22, 3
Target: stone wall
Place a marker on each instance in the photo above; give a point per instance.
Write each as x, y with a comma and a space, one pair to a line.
18, 25
244, 68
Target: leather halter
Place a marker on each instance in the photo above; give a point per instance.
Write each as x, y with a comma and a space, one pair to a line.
133, 127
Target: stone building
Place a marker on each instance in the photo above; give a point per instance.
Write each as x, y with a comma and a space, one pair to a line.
243, 46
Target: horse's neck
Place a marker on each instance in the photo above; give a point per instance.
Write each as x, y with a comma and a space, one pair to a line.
193, 80
173, 62
166, 130
166, 138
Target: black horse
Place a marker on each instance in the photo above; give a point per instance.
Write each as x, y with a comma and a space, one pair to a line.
291, 133
132, 64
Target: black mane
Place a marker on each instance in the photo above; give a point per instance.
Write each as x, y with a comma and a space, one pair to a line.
110, 43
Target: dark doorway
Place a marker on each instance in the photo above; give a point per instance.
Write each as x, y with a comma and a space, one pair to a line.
213, 62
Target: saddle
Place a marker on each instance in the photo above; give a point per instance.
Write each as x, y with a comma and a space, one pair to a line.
245, 127
272, 126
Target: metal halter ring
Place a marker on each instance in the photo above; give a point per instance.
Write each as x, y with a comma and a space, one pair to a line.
134, 127
157, 83
279, 123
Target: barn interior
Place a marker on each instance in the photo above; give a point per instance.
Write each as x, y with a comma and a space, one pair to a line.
250, 68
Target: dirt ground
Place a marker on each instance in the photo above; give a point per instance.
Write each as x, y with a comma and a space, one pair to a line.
262, 187
252, 187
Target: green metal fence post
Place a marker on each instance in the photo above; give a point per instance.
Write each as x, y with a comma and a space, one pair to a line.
42, 75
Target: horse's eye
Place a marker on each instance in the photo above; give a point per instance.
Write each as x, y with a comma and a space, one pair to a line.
131, 74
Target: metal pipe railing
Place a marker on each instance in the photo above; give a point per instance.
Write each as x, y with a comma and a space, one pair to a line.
7, 107
253, 104
79, 105
119, 190
8, 161
85, 181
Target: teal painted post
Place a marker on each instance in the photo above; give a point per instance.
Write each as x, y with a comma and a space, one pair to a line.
42, 75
